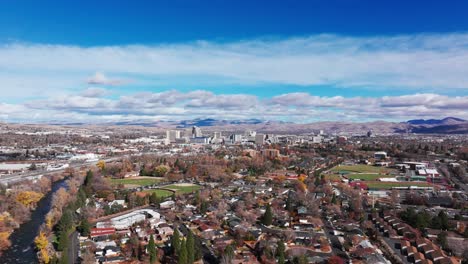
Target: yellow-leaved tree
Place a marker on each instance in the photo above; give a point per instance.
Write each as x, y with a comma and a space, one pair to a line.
42, 242
28, 198
101, 165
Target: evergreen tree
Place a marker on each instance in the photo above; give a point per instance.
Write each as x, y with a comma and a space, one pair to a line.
190, 248
183, 255
203, 207
152, 250
62, 240
300, 260
267, 218
85, 227
442, 240
280, 252
198, 251
154, 198
289, 203
175, 241
228, 253
66, 221
196, 198
64, 258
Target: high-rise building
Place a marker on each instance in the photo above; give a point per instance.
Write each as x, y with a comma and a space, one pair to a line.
172, 135
259, 139
271, 153
217, 135
196, 132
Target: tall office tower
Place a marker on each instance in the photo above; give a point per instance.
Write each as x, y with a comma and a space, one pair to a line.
196, 132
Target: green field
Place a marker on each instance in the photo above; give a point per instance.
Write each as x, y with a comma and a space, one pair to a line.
179, 189
389, 185
183, 188
367, 177
160, 193
137, 181
360, 168
333, 177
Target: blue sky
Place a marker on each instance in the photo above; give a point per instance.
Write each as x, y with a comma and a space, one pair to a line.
302, 61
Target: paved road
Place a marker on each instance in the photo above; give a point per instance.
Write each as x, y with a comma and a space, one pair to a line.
337, 247
454, 179
5, 179
73, 248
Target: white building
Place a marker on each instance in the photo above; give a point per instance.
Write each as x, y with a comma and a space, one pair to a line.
259, 139
217, 135
380, 155
196, 132
172, 135
127, 220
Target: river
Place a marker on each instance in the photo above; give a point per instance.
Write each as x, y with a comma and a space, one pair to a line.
22, 240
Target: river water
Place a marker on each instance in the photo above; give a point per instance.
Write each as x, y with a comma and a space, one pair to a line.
22, 240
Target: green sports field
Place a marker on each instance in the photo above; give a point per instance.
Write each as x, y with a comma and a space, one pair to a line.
360, 168
160, 193
137, 181
389, 185
183, 188
367, 177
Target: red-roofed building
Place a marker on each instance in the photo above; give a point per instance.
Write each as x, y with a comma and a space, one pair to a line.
96, 232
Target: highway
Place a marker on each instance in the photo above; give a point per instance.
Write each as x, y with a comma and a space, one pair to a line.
454, 179
31, 175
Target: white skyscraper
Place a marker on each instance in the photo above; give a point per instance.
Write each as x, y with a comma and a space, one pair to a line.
259, 139
172, 135
196, 132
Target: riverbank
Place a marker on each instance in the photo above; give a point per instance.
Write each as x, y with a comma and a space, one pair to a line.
22, 239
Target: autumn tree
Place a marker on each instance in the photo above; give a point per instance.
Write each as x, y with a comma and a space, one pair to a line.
101, 165
29, 198
160, 171
41, 243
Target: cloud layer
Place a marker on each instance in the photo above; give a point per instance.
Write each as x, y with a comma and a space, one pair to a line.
416, 61
175, 105
46, 81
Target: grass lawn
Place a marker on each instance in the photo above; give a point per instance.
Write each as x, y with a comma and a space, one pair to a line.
332, 177
137, 181
160, 193
389, 185
361, 168
179, 188
183, 188
367, 177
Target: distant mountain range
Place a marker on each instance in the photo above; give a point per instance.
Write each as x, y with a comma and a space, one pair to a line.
449, 125
445, 121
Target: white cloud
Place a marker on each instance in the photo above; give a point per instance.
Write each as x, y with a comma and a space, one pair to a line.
94, 92
298, 107
436, 61
100, 79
